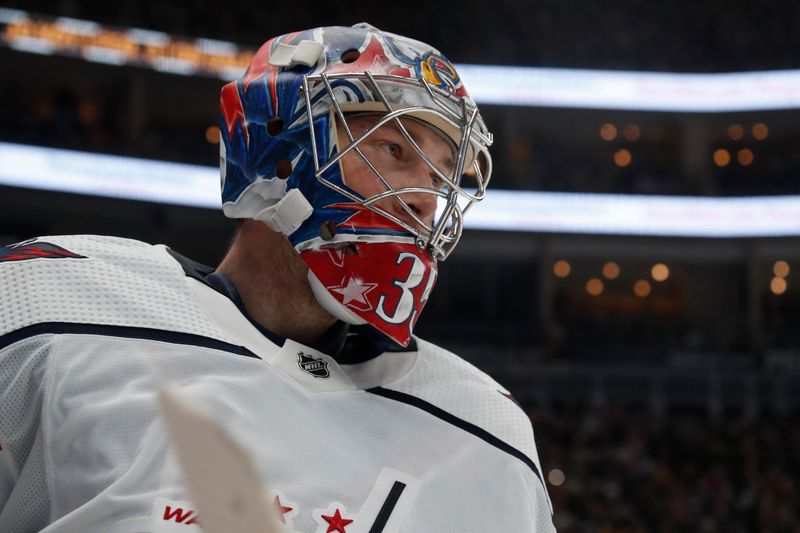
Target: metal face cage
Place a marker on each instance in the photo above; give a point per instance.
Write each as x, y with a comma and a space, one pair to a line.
394, 97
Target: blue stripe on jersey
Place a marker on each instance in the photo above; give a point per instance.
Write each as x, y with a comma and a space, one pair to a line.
129, 332
458, 422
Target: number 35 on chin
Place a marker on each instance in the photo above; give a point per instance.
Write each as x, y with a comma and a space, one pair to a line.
382, 284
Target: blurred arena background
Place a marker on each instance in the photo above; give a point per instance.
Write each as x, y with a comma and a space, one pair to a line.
636, 282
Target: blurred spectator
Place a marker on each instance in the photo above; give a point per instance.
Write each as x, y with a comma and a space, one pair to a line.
625, 471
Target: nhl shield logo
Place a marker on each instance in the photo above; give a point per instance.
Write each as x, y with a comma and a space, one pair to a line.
312, 365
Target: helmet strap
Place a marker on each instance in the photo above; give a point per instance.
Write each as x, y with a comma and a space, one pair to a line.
286, 215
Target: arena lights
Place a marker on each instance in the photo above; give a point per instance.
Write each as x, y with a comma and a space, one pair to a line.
659, 272
622, 157
611, 270
632, 132
121, 46
608, 132
760, 131
561, 268
736, 132
642, 288
778, 286
490, 84
540, 212
594, 287
107, 175
636, 91
722, 157
780, 269
744, 156
556, 477
212, 135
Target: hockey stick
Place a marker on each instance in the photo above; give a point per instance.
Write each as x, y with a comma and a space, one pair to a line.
222, 480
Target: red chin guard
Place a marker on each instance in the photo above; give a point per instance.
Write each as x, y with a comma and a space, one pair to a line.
384, 284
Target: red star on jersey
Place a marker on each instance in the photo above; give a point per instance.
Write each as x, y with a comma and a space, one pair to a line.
336, 522
282, 508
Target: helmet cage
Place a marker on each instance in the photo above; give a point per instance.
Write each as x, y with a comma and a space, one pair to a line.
457, 116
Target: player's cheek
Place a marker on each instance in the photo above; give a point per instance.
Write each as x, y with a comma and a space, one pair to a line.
361, 179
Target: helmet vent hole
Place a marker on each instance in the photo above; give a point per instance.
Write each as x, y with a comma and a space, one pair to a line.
275, 126
352, 249
350, 56
327, 230
283, 169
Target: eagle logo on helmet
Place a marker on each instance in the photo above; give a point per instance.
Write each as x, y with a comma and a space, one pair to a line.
437, 70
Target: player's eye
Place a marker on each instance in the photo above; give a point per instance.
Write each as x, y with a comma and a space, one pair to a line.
393, 149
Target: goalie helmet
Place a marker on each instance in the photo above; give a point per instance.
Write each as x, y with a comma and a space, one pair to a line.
284, 128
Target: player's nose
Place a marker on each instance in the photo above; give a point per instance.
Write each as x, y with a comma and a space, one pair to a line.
423, 204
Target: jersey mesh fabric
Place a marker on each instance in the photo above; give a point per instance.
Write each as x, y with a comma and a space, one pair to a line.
449, 382
454, 390
121, 280
21, 369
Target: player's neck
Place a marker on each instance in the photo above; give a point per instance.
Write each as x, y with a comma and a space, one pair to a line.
272, 281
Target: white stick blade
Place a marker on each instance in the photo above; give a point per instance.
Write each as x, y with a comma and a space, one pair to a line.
222, 479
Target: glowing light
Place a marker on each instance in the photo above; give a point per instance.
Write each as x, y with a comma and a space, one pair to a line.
503, 210
632, 132
594, 287
491, 84
744, 156
760, 131
556, 477
608, 132
611, 270
561, 268
622, 158
660, 272
778, 286
780, 269
736, 132
212, 135
642, 288
722, 157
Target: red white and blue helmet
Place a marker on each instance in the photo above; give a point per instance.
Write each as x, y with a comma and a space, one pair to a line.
280, 164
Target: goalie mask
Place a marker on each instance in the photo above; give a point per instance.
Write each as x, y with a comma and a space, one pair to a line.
289, 143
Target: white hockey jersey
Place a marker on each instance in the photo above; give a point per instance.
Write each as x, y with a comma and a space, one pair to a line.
91, 328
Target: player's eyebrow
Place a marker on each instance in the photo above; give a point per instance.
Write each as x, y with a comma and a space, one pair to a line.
448, 162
